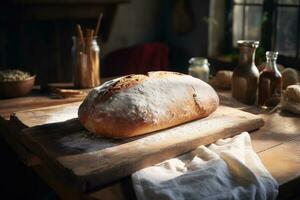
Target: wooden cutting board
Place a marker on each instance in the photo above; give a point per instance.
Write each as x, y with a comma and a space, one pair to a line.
87, 161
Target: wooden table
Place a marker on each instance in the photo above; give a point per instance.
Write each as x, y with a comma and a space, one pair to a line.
277, 144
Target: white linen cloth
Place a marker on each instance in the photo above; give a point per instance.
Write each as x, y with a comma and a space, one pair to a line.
227, 169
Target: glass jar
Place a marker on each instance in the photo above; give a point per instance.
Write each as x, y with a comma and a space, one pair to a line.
199, 68
86, 62
270, 82
245, 75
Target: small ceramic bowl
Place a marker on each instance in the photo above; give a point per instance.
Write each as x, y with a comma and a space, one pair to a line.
10, 89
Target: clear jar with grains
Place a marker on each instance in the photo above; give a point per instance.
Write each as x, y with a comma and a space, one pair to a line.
199, 68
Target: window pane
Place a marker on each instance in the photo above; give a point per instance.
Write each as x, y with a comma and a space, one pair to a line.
237, 24
292, 2
286, 37
254, 1
253, 22
238, 1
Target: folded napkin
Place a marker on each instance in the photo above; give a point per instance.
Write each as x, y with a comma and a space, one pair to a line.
227, 169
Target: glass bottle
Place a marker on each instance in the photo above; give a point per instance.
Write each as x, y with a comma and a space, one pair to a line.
270, 82
245, 75
199, 68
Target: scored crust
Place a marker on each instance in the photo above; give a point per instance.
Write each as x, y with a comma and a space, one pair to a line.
127, 82
132, 80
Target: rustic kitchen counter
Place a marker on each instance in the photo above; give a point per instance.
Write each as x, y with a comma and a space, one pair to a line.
277, 144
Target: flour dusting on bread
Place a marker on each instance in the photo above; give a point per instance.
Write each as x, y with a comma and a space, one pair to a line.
156, 99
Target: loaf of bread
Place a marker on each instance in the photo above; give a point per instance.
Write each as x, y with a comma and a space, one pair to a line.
223, 79
291, 99
289, 77
137, 104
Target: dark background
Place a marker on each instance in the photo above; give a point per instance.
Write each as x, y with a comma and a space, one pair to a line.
36, 36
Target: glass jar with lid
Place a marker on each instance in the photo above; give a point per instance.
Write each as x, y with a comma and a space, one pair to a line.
199, 68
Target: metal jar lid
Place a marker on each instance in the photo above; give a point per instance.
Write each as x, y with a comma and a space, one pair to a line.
198, 61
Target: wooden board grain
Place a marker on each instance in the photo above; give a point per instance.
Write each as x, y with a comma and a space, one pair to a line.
283, 165
46, 115
9, 106
88, 161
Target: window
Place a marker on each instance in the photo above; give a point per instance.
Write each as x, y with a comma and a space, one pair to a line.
287, 27
247, 15
283, 18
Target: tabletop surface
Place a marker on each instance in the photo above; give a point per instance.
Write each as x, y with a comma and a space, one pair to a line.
277, 143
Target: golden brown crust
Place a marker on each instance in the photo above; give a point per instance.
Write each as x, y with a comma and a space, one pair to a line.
123, 83
139, 104
127, 82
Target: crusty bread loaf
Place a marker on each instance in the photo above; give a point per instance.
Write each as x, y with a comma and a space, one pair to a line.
223, 79
137, 104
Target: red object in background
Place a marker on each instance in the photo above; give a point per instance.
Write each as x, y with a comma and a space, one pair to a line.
136, 60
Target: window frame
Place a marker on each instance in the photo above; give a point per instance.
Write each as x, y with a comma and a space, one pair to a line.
244, 5
268, 28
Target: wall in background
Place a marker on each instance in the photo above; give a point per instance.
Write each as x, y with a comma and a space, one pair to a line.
135, 22
41, 43
193, 39
216, 27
